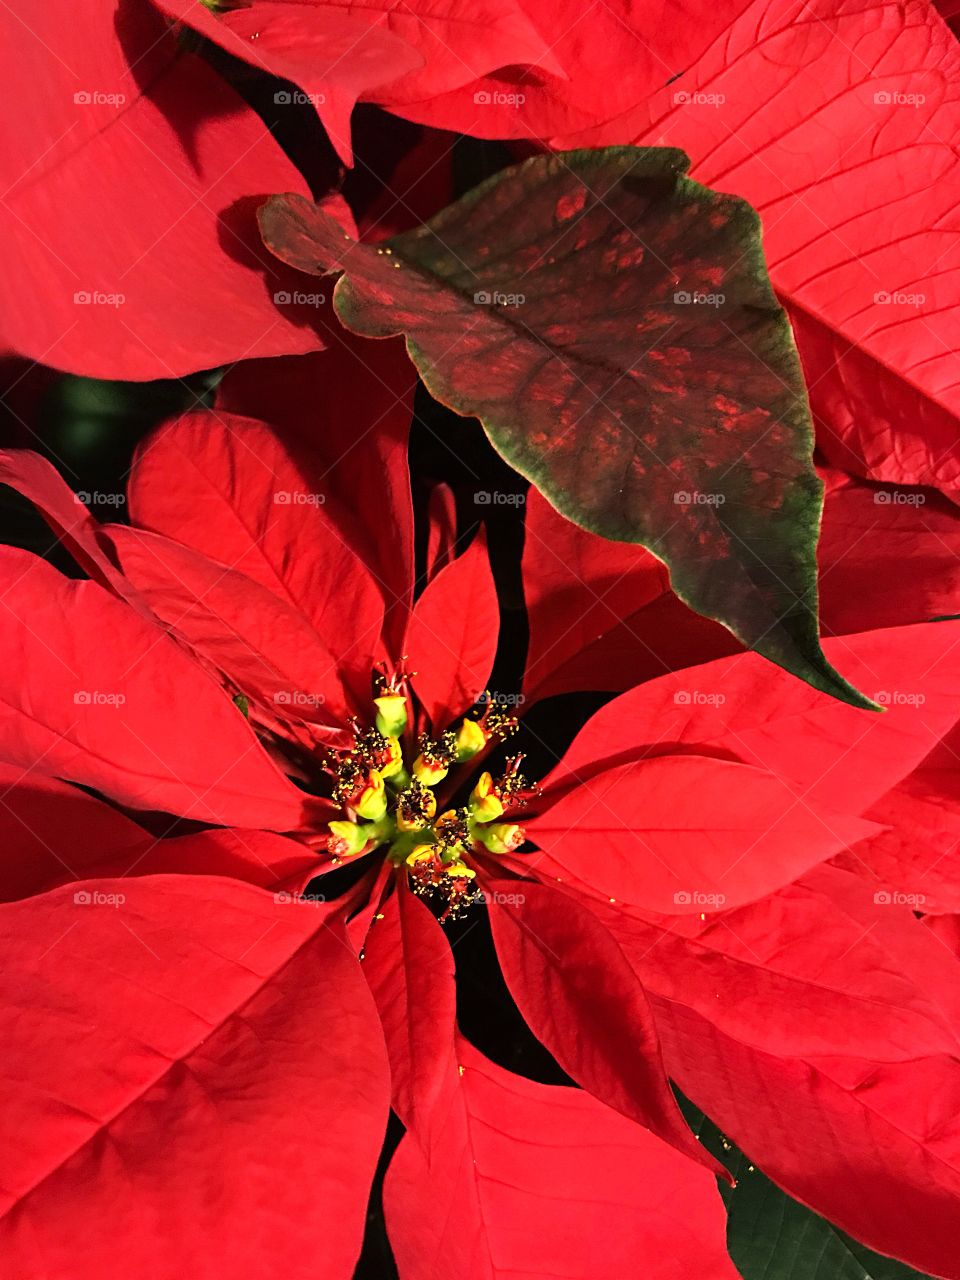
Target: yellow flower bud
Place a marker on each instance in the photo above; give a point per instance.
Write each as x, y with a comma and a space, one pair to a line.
372, 800
471, 740
429, 773
501, 837
394, 761
487, 809
485, 804
460, 870
391, 714
484, 786
421, 853
346, 838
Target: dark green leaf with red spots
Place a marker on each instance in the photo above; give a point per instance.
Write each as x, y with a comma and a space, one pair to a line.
612, 325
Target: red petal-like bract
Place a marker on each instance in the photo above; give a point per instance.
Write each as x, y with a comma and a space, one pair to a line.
91, 692
580, 998
614, 56
409, 966
738, 709
263, 641
40, 482
674, 833
372, 50
452, 638
319, 47
52, 833
535, 1181
242, 501
130, 189
819, 1030
602, 613
197, 1084
916, 856
344, 416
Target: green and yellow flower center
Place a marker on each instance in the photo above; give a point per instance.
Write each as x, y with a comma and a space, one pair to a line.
404, 807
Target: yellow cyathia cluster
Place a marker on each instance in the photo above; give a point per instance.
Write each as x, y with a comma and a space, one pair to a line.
388, 803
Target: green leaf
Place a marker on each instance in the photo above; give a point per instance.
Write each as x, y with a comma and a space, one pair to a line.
772, 1237
611, 324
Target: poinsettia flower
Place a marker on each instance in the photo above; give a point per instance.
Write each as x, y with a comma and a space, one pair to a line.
243, 656
251, 570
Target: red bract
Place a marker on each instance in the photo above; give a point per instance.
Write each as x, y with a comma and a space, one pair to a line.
375, 51
130, 188
608, 1183
220, 668
612, 58
162, 1082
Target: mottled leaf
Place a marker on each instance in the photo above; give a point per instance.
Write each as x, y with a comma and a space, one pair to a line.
612, 325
